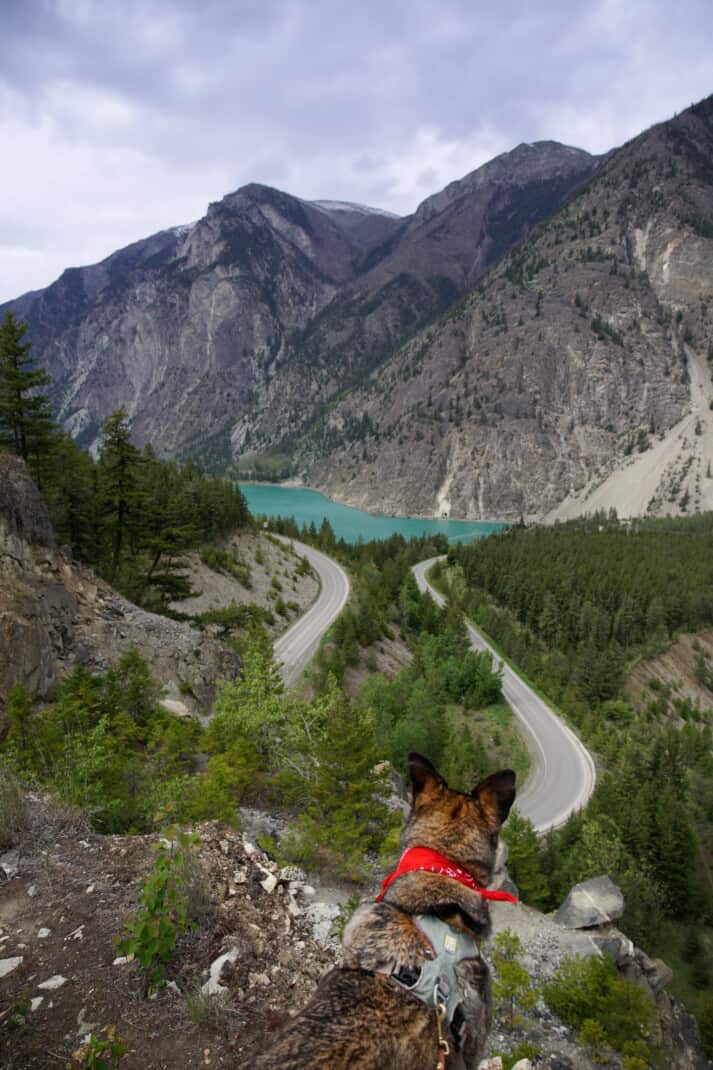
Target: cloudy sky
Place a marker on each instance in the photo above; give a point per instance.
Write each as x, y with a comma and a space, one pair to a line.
121, 117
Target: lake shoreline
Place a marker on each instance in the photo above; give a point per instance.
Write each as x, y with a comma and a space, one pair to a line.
295, 484
309, 506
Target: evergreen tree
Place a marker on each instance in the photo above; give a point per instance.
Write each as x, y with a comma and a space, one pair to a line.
26, 424
118, 467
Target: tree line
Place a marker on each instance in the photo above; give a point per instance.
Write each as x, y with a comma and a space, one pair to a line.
127, 514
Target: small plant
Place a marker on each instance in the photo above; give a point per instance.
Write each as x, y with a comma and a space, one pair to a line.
100, 1053
513, 988
151, 937
523, 1050
345, 912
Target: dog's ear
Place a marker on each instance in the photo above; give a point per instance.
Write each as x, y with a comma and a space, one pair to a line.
497, 793
423, 773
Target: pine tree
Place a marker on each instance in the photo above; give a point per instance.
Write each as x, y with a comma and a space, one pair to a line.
25, 417
118, 463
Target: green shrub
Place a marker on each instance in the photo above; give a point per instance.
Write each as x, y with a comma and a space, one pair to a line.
168, 893
13, 812
589, 991
512, 988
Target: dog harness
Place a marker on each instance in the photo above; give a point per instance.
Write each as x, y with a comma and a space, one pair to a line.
437, 981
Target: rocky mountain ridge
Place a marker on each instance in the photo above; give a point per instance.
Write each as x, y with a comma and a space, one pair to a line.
238, 328
576, 376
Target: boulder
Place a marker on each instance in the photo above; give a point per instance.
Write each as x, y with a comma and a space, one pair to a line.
594, 902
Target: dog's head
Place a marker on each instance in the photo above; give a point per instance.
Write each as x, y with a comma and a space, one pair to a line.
463, 826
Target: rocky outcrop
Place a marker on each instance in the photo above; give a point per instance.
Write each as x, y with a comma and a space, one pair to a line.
595, 902
55, 614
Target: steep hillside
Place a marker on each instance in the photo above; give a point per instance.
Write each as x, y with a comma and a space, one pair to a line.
586, 351
249, 320
181, 328
433, 258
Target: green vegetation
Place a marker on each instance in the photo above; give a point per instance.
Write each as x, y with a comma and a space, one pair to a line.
607, 1011
128, 515
575, 606
106, 746
513, 990
152, 935
25, 416
12, 805
100, 1052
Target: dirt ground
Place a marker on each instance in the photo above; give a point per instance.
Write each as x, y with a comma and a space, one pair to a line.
70, 895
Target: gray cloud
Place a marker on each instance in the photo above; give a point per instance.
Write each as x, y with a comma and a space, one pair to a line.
121, 117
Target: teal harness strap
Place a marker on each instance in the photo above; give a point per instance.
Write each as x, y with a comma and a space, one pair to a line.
437, 981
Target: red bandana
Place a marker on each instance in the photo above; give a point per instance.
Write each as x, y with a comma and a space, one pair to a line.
424, 859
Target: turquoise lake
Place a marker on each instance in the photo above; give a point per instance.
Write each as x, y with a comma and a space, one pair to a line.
308, 506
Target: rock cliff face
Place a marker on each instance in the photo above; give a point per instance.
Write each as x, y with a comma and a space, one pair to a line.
575, 377
55, 614
244, 324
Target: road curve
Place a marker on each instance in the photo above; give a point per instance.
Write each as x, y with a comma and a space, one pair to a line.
299, 642
562, 772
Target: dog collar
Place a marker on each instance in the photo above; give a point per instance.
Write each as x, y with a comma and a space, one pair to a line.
426, 860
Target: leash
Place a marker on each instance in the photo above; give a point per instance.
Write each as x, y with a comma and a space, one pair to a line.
443, 1046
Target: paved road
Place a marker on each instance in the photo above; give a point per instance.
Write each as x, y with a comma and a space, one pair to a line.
562, 772
298, 644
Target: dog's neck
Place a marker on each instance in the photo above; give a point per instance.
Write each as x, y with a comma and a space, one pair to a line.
433, 893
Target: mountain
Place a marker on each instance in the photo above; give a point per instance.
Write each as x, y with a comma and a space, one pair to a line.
247, 322
576, 376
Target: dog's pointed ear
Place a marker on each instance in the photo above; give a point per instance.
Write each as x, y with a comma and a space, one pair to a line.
497, 793
423, 773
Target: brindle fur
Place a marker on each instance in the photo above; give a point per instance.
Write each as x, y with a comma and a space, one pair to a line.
358, 1018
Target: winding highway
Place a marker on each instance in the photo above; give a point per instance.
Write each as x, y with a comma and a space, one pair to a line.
299, 642
562, 773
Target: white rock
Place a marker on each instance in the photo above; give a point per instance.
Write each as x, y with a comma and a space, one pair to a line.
270, 883
76, 934
213, 987
248, 847
308, 891
8, 965
10, 864
173, 987
83, 1026
178, 709
32, 891
225, 847
90, 889
42, 933
36, 1002
85, 843
241, 875
522, 1064
122, 960
53, 982
495, 1063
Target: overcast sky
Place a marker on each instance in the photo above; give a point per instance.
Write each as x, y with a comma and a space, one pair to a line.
121, 117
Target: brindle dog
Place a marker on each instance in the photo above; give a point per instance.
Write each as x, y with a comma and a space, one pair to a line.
359, 1017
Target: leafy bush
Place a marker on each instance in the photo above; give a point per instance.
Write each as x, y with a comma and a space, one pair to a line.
13, 813
168, 892
512, 988
588, 991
